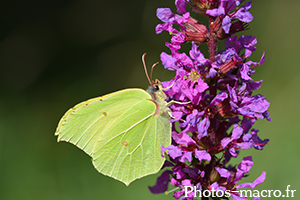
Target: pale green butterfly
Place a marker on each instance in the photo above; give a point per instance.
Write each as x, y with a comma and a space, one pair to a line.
122, 131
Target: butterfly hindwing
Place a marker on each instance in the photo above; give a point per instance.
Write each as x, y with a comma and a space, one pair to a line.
134, 153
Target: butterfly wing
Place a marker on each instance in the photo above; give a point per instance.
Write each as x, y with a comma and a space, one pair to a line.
121, 133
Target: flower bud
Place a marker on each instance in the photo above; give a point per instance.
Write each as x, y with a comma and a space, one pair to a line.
195, 31
217, 28
214, 176
227, 67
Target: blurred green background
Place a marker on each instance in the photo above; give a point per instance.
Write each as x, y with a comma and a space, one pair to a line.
56, 53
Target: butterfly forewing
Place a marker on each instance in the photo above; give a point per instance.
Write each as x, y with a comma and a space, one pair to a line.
83, 124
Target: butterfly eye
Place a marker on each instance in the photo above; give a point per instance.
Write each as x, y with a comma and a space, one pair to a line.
156, 87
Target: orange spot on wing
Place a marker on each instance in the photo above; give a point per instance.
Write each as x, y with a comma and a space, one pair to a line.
125, 143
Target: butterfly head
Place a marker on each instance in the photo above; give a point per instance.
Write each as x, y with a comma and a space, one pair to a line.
156, 90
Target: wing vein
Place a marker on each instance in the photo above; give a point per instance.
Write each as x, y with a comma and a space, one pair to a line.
125, 131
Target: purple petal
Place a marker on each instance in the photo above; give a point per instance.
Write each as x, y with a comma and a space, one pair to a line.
186, 156
202, 127
183, 19
161, 183
257, 181
244, 72
226, 23
197, 55
182, 138
178, 172
237, 132
212, 72
251, 86
223, 172
165, 15
186, 182
234, 106
225, 142
245, 145
248, 42
253, 140
218, 99
201, 86
162, 27
173, 151
230, 4
243, 15
189, 129
243, 168
176, 195
232, 94
202, 155
232, 42
257, 104
180, 4
192, 172
174, 182
187, 90
191, 119
233, 152
266, 115
176, 42
168, 61
262, 59
216, 12
184, 60
215, 186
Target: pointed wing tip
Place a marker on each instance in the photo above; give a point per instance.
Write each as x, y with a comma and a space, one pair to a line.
126, 182
57, 133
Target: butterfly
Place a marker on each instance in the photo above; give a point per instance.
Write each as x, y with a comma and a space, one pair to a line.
122, 131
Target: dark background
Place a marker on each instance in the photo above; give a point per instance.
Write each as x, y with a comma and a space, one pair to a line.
56, 53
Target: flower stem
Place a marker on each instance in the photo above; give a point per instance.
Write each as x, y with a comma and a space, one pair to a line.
212, 43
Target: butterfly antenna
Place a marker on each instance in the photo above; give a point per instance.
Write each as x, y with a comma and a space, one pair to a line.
162, 74
152, 70
144, 63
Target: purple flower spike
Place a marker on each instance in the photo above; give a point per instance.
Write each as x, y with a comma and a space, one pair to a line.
212, 105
